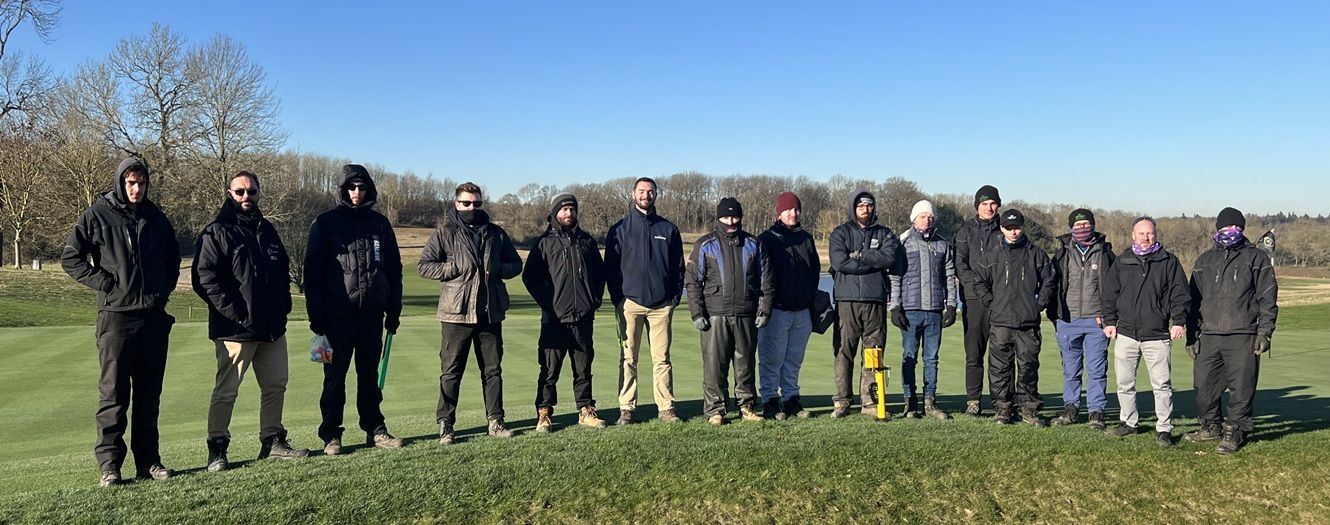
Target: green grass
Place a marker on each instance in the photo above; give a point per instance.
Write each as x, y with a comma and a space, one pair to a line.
846, 471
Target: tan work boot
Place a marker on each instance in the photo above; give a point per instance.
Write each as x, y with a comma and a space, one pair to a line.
748, 414
586, 416
386, 440
543, 422
716, 420
668, 416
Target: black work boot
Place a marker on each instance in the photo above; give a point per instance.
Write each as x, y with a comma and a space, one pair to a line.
1070, 414
931, 409
1123, 430
217, 454
1231, 439
1030, 416
1096, 421
912, 408
498, 429
156, 471
1207, 432
1001, 413
794, 407
771, 408
277, 447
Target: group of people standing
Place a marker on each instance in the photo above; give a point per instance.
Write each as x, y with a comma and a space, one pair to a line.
753, 299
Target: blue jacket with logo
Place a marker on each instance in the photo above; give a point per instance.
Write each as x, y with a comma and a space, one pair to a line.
644, 260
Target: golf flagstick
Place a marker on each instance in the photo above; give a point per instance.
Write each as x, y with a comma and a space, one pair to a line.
383, 362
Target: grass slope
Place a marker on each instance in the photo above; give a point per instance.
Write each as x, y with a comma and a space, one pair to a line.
848, 471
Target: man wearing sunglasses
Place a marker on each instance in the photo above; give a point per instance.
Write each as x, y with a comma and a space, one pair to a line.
243, 273
470, 257
353, 291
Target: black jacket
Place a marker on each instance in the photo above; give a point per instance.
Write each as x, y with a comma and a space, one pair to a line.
795, 266
728, 275
352, 263
565, 274
1233, 291
865, 279
974, 240
644, 260
1099, 255
129, 255
1143, 294
242, 271
1015, 282
471, 265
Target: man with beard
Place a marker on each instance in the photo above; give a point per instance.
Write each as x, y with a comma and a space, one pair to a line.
470, 257
242, 272
644, 273
729, 290
125, 248
795, 271
565, 275
976, 238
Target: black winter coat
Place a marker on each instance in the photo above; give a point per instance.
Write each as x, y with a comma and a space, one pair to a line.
728, 276
1142, 295
565, 274
468, 264
129, 255
866, 278
242, 271
1233, 291
1015, 282
352, 262
974, 241
795, 266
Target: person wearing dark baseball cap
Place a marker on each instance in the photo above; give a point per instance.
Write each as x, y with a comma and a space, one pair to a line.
977, 237
1233, 306
1015, 283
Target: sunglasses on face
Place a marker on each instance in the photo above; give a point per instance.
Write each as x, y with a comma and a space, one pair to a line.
470, 204
242, 191
357, 187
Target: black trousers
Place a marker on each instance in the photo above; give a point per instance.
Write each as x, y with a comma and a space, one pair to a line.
1226, 362
360, 340
974, 322
731, 339
559, 340
858, 321
454, 349
1013, 353
132, 352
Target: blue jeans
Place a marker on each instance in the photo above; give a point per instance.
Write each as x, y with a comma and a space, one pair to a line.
1082, 342
925, 329
780, 352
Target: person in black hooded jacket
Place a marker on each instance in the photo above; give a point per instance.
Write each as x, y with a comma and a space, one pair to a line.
353, 291
863, 255
241, 270
1234, 306
565, 274
1014, 283
125, 248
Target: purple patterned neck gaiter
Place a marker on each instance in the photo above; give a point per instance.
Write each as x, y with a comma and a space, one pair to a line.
1229, 237
1142, 251
1083, 235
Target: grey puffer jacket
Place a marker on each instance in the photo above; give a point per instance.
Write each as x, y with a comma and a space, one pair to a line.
468, 261
929, 282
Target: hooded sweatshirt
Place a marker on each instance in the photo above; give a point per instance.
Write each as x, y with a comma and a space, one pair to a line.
352, 262
863, 257
129, 254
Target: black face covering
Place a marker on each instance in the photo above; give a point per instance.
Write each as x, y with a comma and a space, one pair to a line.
728, 229
468, 216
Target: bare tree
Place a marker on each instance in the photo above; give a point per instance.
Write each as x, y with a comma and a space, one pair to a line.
236, 112
24, 155
24, 81
159, 117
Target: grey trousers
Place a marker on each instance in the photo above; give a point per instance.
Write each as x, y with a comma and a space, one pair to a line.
731, 339
1127, 354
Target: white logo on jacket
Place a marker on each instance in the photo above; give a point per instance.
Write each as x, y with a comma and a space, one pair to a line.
661, 237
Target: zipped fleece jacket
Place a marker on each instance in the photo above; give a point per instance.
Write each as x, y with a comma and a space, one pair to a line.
795, 266
468, 263
1080, 278
1142, 295
242, 271
565, 274
644, 260
352, 263
864, 279
129, 255
1015, 283
1233, 291
929, 283
729, 276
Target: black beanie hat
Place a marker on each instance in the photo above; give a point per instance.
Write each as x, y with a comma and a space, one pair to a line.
561, 200
987, 192
1230, 216
1080, 214
729, 207
1012, 219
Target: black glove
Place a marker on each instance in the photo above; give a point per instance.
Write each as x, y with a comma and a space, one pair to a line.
761, 321
898, 318
949, 316
316, 327
391, 323
703, 324
1262, 344
1192, 350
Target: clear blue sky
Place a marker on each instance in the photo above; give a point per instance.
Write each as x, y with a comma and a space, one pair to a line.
1159, 107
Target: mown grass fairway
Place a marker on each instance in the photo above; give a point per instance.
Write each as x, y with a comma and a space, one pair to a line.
819, 470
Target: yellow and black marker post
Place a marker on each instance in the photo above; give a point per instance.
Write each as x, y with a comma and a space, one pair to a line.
881, 373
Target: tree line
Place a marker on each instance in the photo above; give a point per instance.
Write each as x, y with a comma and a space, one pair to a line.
198, 112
